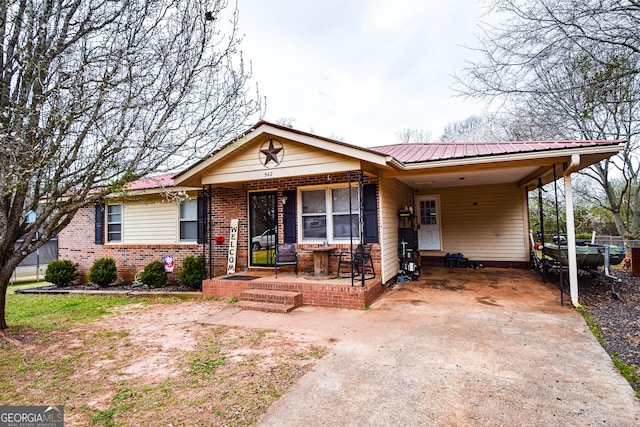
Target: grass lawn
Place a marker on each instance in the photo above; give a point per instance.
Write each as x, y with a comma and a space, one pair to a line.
51, 312
119, 361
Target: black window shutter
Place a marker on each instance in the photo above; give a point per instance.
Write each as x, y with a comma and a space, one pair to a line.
99, 224
370, 213
289, 222
202, 218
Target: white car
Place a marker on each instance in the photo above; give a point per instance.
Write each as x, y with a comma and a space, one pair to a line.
266, 240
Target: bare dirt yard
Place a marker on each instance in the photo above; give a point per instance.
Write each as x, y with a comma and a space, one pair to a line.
157, 365
164, 364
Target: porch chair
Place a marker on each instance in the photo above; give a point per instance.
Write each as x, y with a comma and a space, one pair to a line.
286, 255
359, 262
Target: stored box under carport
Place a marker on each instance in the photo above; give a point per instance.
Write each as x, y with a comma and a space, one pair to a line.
456, 261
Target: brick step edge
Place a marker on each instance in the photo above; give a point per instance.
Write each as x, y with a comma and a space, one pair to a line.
269, 307
271, 296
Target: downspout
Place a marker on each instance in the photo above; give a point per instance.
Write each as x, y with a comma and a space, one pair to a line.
571, 232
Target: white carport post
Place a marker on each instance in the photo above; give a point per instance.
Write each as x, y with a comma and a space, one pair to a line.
571, 232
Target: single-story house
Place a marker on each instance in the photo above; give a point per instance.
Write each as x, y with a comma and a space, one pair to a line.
274, 184
150, 219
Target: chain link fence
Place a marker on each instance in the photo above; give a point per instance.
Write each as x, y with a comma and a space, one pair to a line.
34, 266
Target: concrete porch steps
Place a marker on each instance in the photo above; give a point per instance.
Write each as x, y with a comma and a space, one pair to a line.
270, 300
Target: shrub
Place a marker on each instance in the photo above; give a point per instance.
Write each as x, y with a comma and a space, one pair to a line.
103, 272
583, 236
61, 272
154, 275
193, 272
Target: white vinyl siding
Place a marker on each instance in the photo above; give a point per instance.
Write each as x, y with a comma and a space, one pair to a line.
393, 197
484, 222
150, 221
297, 159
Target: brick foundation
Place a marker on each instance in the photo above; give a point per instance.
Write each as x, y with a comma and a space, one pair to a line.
317, 294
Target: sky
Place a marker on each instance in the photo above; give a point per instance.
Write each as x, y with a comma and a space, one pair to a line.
360, 70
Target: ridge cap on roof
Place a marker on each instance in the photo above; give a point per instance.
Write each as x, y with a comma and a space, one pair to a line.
529, 141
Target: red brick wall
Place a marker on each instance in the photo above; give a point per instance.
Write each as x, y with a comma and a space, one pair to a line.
76, 243
227, 204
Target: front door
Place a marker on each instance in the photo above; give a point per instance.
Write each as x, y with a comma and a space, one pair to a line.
263, 227
429, 223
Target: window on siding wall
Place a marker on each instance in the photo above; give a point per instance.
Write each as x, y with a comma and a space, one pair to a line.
189, 220
325, 213
114, 223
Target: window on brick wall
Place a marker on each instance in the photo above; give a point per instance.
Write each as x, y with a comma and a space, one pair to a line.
114, 223
189, 220
325, 214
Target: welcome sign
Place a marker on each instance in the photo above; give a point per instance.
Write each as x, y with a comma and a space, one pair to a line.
233, 244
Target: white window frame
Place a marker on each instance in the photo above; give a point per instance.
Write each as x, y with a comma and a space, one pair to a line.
329, 213
110, 223
185, 220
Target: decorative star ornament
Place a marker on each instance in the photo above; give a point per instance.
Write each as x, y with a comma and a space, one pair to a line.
271, 152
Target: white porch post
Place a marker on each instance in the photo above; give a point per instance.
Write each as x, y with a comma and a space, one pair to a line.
571, 241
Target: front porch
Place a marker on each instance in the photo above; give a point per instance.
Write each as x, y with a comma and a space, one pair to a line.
332, 292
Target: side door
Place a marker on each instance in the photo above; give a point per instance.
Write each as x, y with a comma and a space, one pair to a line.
428, 210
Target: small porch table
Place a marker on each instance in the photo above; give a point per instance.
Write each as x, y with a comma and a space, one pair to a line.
321, 261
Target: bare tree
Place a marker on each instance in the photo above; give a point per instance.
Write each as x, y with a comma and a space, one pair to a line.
286, 121
568, 69
414, 135
470, 129
97, 93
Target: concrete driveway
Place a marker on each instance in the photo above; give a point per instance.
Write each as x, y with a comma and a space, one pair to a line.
460, 347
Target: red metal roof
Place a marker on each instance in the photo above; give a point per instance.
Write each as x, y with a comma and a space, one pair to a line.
158, 181
433, 151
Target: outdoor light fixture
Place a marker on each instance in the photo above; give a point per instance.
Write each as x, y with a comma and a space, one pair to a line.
284, 200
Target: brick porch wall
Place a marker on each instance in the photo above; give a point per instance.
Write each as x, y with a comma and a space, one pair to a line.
323, 295
76, 243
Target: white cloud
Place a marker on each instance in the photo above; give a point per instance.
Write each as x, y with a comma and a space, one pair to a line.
360, 69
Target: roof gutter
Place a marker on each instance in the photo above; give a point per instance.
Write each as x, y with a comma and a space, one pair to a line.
392, 161
574, 165
465, 161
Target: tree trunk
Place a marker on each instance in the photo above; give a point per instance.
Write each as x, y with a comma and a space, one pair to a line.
4, 284
6, 270
619, 223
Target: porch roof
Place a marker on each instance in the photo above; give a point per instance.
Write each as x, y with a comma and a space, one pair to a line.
435, 151
422, 164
